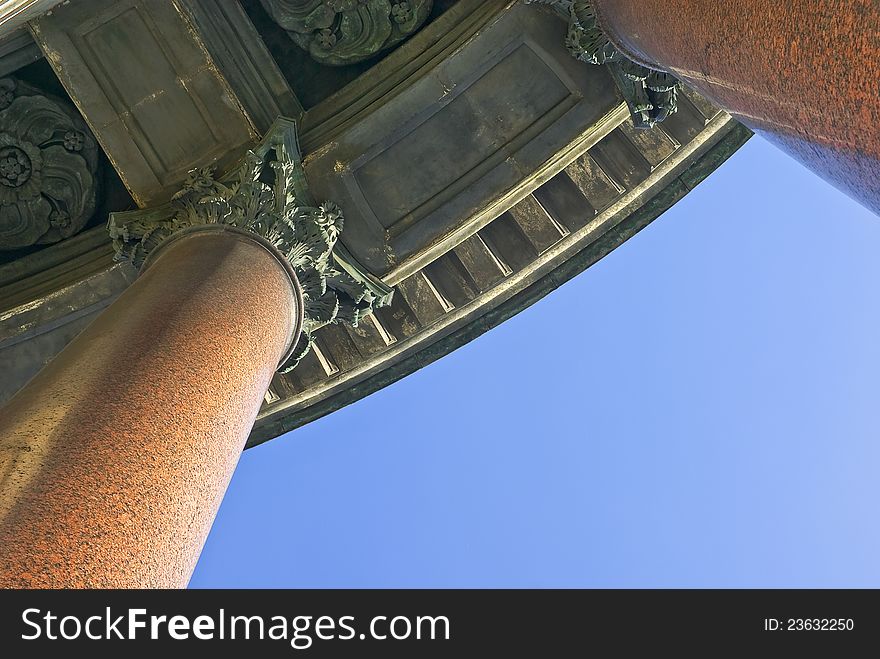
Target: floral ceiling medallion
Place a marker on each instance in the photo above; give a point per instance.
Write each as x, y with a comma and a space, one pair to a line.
339, 32
48, 168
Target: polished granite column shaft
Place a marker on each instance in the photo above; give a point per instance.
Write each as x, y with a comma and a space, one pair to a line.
802, 72
115, 457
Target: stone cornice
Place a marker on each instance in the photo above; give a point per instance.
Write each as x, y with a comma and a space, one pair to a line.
14, 13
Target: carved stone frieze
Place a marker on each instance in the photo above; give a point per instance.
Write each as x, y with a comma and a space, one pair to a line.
48, 168
339, 32
650, 94
268, 196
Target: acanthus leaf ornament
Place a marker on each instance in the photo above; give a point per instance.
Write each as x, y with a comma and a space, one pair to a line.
269, 197
650, 94
340, 32
48, 168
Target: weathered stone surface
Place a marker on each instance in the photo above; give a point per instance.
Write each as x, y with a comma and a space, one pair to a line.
48, 168
244, 60
146, 84
15, 13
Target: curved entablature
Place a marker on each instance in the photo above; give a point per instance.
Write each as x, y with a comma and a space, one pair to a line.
468, 188
598, 201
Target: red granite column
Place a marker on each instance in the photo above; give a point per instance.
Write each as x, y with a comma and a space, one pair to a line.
114, 459
803, 72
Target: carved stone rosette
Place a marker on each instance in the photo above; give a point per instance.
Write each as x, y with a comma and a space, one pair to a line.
339, 32
48, 168
650, 94
269, 197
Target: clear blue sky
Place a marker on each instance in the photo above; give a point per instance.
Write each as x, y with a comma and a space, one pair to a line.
698, 409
